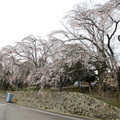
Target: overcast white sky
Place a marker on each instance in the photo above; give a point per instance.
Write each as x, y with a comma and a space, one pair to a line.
20, 18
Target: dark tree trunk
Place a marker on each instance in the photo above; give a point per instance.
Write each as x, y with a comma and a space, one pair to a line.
100, 74
60, 84
60, 87
118, 79
90, 90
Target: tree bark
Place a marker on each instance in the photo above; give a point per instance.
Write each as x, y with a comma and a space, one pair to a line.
61, 84
118, 79
100, 82
90, 90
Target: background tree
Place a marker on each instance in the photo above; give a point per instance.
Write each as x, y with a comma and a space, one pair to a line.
95, 28
86, 44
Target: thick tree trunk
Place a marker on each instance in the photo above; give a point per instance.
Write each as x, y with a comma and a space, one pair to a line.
90, 90
118, 79
100, 83
119, 92
60, 84
60, 87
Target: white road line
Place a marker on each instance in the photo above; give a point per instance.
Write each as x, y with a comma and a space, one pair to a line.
59, 115
50, 113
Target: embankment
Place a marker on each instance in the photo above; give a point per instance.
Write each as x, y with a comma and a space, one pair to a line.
67, 102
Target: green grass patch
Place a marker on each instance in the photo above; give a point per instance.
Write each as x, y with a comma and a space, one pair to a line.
111, 101
34, 89
50, 90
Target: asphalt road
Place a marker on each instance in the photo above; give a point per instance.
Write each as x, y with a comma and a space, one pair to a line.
16, 112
